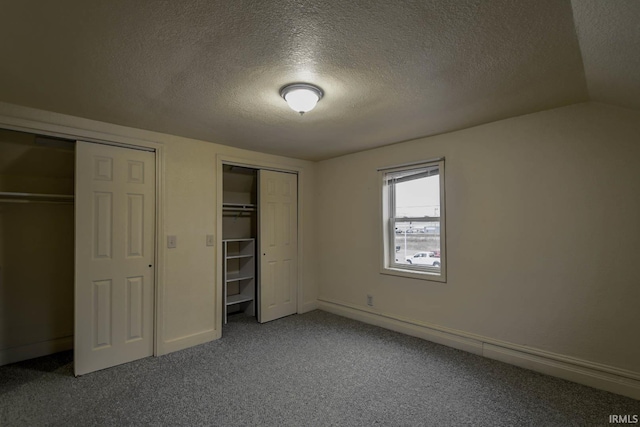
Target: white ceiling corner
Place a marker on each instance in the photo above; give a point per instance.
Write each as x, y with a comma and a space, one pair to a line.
609, 36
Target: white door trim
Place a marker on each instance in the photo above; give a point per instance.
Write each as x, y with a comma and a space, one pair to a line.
72, 133
255, 164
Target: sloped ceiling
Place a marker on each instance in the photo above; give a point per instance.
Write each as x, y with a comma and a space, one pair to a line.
391, 71
609, 36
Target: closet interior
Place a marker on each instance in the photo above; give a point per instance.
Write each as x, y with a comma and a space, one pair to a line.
239, 240
36, 245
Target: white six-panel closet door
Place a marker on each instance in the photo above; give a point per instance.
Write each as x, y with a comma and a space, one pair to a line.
114, 289
278, 252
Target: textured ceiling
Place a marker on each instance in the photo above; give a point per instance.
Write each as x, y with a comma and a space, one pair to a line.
609, 35
391, 71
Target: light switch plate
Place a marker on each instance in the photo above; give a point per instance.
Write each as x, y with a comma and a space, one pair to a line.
172, 242
210, 240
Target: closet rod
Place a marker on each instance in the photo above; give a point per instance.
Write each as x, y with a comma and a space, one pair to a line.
238, 209
54, 202
10, 195
236, 214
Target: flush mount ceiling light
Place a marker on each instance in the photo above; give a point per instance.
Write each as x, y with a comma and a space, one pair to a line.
301, 97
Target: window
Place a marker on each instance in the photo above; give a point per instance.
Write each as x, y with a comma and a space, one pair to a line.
413, 221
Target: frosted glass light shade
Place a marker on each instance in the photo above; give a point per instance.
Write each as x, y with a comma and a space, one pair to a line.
301, 97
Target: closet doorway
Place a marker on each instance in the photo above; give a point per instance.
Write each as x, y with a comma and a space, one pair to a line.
259, 229
77, 250
36, 245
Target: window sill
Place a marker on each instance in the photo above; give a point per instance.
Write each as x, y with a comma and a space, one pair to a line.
421, 275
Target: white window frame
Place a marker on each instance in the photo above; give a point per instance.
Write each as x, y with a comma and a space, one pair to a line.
387, 222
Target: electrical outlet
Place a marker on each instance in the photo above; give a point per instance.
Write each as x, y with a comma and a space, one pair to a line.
370, 300
172, 242
210, 240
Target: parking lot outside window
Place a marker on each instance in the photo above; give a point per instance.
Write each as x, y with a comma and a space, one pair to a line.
413, 221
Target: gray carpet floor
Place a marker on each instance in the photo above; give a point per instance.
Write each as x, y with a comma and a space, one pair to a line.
315, 369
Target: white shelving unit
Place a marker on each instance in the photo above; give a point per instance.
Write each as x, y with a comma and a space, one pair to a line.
239, 275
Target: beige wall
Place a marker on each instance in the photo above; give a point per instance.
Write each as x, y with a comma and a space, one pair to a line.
543, 233
187, 273
190, 178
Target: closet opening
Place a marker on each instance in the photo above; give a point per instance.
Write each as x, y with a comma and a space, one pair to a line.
77, 250
37, 175
239, 235
259, 242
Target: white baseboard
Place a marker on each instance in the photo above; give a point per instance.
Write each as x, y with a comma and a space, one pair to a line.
308, 306
181, 343
578, 374
31, 351
603, 377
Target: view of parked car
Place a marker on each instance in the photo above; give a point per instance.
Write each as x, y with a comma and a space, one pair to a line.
425, 258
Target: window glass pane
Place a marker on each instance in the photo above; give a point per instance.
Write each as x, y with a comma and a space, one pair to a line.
418, 197
421, 238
